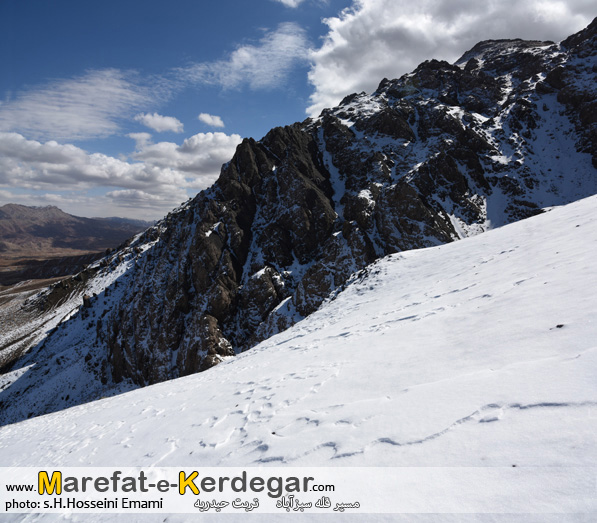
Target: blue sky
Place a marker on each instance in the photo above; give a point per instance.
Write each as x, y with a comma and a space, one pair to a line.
130, 107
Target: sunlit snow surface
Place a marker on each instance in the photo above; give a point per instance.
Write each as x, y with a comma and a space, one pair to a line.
481, 353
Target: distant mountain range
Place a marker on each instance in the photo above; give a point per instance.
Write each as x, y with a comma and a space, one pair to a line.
42, 231
443, 153
45, 242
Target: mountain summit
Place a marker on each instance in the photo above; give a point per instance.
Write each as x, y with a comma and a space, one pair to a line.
445, 152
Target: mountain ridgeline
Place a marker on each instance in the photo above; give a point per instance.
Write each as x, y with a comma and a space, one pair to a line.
445, 152
45, 242
35, 231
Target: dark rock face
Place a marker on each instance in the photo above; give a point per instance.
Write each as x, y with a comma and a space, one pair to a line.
579, 98
426, 159
270, 209
445, 152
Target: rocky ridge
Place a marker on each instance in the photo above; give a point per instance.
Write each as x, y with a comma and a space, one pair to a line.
440, 154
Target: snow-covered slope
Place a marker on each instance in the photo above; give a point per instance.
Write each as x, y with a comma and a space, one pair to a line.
443, 153
70, 305
478, 353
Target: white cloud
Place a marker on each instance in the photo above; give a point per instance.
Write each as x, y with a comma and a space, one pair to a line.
290, 3
210, 119
160, 123
262, 66
141, 139
136, 198
89, 106
34, 165
162, 176
388, 38
201, 154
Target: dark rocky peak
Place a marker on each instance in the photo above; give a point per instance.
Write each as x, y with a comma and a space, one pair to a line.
490, 49
347, 100
584, 42
516, 61
440, 67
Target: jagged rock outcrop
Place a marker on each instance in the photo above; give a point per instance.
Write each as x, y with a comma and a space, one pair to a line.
442, 153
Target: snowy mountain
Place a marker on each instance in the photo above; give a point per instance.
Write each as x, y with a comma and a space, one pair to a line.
479, 353
443, 153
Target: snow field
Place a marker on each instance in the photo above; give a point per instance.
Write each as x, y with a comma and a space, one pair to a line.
480, 353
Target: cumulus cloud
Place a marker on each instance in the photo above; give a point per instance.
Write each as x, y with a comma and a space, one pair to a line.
210, 119
138, 199
160, 123
160, 177
388, 38
34, 165
202, 154
89, 106
262, 66
141, 139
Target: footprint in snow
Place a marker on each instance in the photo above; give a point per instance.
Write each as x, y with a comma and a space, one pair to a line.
495, 414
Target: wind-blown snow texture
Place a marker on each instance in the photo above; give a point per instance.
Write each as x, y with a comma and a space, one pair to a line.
440, 154
478, 353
